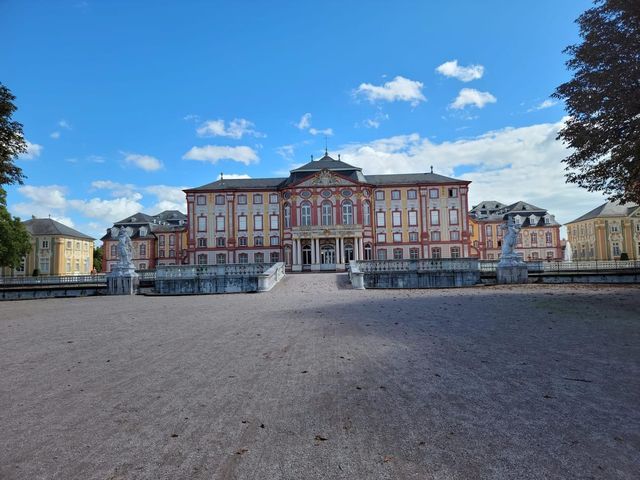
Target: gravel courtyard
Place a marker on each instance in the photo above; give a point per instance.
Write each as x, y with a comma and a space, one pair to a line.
317, 381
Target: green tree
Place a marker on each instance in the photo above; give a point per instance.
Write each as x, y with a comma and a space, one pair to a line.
12, 143
97, 258
603, 101
14, 239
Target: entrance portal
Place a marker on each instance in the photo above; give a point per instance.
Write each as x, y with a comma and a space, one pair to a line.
327, 257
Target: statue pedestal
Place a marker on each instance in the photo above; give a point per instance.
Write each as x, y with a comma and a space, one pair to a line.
122, 280
512, 270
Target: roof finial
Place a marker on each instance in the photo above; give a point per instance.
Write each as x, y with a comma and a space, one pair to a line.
431, 168
326, 149
221, 177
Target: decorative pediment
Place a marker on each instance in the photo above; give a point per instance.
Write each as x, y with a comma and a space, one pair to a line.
325, 177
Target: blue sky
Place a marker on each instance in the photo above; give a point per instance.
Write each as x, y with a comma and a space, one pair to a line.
126, 103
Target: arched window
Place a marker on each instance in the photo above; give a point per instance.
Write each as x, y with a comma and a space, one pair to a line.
143, 250
287, 215
366, 213
368, 255
347, 212
305, 212
327, 213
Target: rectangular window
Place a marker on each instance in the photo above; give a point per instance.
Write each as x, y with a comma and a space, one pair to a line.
275, 240
549, 255
201, 200
219, 223
396, 219
382, 254
414, 253
220, 242
380, 219
395, 194
379, 194
453, 216
413, 218
273, 198
219, 199
454, 235
221, 258
433, 193
488, 230
490, 243
172, 253
161, 240
258, 241
44, 264
436, 252
397, 254
202, 224
258, 258
455, 252
397, 237
45, 244
453, 192
435, 236
413, 236
435, 217
202, 259
242, 241
243, 258
242, 223
257, 199
616, 249
202, 243
382, 238
534, 238
412, 194
257, 222
172, 240
275, 257
242, 199
274, 222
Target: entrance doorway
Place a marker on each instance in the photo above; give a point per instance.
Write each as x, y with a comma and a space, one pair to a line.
327, 257
306, 255
348, 252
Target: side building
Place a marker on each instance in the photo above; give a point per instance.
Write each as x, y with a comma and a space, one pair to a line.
606, 233
326, 213
539, 237
56, 249
156, 239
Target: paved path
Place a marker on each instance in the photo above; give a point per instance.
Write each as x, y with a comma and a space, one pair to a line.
317, 381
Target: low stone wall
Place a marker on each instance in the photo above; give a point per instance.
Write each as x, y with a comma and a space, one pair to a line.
436, 273
622, 277
30, 293
210, 279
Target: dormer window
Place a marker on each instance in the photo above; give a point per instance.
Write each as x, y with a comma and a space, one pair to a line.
517, 219
143, 231
533, 220
547, 220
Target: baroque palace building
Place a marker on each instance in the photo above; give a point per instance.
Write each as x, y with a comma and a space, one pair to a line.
539, 236
326, 213
56, 249
606, 233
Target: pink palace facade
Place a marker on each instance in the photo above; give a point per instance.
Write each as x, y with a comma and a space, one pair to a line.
325, 214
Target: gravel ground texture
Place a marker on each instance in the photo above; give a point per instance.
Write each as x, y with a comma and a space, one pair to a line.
314, 380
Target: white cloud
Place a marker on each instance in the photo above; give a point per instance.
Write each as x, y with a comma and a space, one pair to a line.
464, 74
236, 129
64, 124
108, 211
215, 153
33, 151
286, 151
117, 189
548, 103
55, 135
398, 89
233, 176
191, 117
471, 96
53, 196
305, 122
145, 162
324, 131
507, 165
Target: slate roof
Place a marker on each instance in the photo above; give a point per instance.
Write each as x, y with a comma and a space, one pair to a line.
241, 183
325, 162
608, 209
400, 178
489, 205
136, 218
48, 226
497, 211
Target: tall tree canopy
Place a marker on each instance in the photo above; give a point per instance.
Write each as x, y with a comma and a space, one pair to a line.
12, 142
603, 101
14, 239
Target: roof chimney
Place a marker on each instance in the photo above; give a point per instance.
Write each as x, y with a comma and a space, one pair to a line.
312, 158
338, 157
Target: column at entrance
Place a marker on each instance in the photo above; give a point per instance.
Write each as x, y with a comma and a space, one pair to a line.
318, 250
356, 249
297, 256
314, 259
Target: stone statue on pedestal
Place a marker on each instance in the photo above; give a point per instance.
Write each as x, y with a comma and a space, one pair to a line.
511, 268
123, 279
125, 249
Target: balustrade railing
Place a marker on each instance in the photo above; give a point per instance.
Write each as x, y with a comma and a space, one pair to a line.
540, 266
227, 269
418, 265
54, 280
